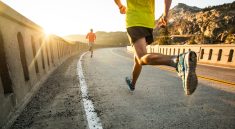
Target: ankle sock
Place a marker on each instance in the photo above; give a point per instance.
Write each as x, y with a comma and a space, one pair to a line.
174, 61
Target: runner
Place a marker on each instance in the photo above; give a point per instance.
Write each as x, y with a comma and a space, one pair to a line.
91, 37
140, 18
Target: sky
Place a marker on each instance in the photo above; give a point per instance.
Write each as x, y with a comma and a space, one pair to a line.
65, 17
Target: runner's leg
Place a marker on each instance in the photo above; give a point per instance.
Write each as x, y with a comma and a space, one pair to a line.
91, 50
145, 58
140, 50
89, 46
159, 59
136, 70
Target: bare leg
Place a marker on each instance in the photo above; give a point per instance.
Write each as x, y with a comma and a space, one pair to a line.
91, 50
136, 71
158, 59
144, 58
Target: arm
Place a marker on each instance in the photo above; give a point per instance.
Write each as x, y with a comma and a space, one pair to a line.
121, 7
163, 20
166, 7
118, 3
87, 36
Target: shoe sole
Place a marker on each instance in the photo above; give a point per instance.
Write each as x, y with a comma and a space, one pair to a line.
191, 80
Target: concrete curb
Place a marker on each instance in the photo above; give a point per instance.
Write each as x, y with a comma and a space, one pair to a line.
18, 109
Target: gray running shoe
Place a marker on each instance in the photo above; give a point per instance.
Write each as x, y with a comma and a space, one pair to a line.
129, 84
186, 70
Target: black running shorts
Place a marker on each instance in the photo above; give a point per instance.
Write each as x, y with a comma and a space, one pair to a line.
138, 32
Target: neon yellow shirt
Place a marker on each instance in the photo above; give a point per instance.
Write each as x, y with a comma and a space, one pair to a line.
140, 13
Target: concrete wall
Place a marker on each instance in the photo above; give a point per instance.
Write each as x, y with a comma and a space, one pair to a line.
27, 57
220, 55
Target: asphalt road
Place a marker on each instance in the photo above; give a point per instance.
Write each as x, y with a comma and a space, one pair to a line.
157, 103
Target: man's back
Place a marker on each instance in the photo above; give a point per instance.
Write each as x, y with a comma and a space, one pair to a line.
91, 37
140, 13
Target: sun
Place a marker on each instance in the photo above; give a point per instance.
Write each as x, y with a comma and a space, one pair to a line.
56, 29
48, 31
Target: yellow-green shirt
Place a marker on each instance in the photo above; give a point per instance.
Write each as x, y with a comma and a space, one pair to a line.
140, 13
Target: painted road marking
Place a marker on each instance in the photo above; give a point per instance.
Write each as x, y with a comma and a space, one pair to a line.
202, 77
93, 120
216, 66
199, 76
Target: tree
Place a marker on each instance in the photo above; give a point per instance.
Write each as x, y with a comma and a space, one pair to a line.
192, 40
163, 37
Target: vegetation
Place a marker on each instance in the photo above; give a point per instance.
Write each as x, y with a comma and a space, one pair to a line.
192, 40
163, 37
104, 38
112, 38
192, 25
223, 7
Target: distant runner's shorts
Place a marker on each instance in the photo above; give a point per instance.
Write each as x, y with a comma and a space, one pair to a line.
90, 44
138, 32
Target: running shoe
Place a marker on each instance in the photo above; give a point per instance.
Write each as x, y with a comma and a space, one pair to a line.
186, 69
129, 84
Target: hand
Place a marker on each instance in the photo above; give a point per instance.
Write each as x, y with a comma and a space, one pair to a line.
162, 22
122, 9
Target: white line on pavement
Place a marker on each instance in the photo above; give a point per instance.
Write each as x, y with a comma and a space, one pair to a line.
120, 55
92, 119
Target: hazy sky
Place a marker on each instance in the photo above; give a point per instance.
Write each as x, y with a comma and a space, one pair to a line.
64, 17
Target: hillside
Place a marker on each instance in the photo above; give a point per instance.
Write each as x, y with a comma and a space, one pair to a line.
188, 24
103, 38
210, 25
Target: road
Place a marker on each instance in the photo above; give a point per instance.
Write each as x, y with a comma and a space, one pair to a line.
158, 101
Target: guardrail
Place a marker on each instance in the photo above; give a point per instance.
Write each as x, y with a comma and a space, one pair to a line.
220, 55
27, 57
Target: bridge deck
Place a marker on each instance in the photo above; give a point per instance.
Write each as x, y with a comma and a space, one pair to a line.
158, 102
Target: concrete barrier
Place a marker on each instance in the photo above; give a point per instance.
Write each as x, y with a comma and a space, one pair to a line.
27, 57
220, 55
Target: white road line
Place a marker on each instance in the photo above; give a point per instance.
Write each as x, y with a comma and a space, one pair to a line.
92, 118
120, 55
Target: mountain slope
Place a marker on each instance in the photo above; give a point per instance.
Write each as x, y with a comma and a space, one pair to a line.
209, 25
103, 38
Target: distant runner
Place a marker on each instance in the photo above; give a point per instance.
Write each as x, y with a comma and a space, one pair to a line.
140, 18
91, 37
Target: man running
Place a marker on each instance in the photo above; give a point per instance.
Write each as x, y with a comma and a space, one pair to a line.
91, 37
140, 18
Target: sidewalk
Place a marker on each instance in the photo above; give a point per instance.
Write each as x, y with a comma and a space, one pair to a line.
57, 105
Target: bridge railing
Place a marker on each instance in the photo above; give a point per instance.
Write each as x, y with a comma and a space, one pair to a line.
220, 55
27, 57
